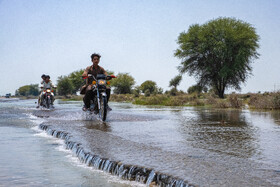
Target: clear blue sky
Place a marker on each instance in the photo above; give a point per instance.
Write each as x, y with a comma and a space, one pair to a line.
137, 37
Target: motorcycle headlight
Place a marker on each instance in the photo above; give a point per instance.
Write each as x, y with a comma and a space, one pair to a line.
101, 82
48, 90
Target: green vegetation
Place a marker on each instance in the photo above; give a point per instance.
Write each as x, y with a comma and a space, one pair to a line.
195, 89
123, 84
64, 86
150, 87
218, 53
76, 80
69, 85
136, 91
265, 101
28, 90
175, 81
253, 101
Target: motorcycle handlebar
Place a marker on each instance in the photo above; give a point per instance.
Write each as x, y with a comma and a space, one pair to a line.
48, 88
107, 77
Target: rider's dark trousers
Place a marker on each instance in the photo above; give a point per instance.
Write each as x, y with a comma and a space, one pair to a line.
90, 96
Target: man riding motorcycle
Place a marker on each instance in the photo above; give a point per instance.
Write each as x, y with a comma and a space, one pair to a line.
94, 69
46, 84
39, 98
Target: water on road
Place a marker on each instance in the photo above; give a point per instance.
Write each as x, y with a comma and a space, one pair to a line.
199, 146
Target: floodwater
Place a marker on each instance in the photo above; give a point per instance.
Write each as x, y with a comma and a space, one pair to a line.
199, 146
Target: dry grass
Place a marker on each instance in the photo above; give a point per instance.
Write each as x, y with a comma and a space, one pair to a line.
235, 102
232, 101
265, 101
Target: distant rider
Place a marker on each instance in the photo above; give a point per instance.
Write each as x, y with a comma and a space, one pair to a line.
39, 98
94, 69
47, 84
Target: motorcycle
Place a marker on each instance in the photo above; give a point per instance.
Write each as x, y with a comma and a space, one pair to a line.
98, 103
47, 98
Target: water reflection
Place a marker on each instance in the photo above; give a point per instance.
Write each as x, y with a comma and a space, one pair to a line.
98, 125
222, 131
268, 114
276, 117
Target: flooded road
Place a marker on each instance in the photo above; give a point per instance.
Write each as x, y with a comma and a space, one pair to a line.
198, 146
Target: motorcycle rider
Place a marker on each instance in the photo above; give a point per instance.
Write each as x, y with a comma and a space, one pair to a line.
39, 98
94, 69
46, 84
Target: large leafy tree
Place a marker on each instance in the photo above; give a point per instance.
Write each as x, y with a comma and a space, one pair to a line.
123, 83
218, 53
28, 90
148, 85
76, 79
64, 86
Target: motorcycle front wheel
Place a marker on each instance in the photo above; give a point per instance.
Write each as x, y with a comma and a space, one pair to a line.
48, 102
103, 108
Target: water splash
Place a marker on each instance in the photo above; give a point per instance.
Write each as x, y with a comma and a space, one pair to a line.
116, 168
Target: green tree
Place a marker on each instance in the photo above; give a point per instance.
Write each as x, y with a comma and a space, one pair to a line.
64, 86
77, 80
148, 85
159, 90
123, 83
34, 89
147, 93
218, 53
175, 81
28, 90
24, 90
195, 88
136, 91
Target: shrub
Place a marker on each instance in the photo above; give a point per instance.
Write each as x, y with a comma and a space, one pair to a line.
173, 91
211, 100
234, 101
259, 101
195, 88
174, 101
222, 104
197, 102
147, 93
276, 100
